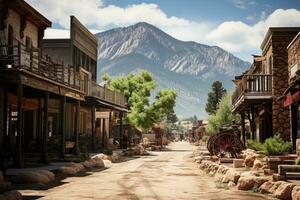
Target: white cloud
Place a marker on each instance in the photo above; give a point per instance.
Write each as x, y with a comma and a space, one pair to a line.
243, 4
237, 37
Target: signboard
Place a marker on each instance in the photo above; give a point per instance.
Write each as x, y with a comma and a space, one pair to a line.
102, 115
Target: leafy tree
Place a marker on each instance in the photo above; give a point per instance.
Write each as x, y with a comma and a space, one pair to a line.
214, 97
137, 90
223, 115
171, 117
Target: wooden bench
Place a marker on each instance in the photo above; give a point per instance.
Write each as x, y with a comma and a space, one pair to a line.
289, 171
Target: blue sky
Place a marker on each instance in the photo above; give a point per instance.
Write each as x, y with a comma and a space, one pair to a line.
238, 26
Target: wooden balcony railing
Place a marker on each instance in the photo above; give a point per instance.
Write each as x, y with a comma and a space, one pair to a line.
255, 84
18, 56
108, 95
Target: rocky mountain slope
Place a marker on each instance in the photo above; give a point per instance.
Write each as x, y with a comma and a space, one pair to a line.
187, 67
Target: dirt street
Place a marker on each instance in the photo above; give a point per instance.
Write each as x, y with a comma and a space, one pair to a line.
163, 175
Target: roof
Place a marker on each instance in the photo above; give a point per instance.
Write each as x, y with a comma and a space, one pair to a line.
294, 40
271, 30
32, 14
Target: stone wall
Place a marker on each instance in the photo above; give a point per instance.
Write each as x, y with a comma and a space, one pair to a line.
281, 114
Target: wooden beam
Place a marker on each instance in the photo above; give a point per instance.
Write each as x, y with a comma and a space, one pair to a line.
121, 129
93, 112
19, 152
243, 127
103, 133
44, 153
62, 126
77, 123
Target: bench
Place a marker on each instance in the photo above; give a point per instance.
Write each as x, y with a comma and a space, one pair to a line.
289, 171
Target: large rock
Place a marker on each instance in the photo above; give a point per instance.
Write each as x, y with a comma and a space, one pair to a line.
107, 163
249, 182
284, 191
30, 177
249, 160
67, 170
89, 164
98, 162
231, 175
266, 187
296, 193
78, 167
257, 164
49, 174
220, 173
275, 186
11, 195
238, 163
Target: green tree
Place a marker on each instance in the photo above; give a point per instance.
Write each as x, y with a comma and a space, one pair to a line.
214, 97
223, 115
171, 117
137, 90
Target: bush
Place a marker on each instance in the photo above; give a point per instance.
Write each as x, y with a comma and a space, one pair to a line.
255, 145
205, 138
276, 146
297, 161
272, 146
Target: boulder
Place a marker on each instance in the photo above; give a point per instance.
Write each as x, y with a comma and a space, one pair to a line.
11, 195
268, 172
107, 163
275, 186
231, 184
78, 167
238, 163
30, 177
257, 164
89, 164
67, 170
296, 193
49, 174
249, 160
284, 191
5, 186
220, 173
231, 175
98, 162
249, 182
266, 187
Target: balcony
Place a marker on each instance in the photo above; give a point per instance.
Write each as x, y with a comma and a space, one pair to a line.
29, 60
108, 95
252, 89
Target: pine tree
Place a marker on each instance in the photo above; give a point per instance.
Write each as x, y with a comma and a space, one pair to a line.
214, 97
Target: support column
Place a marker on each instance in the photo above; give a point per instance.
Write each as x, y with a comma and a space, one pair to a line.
77, 123
44, 155
4, 145
103, 133
121, 130
19, 153
63, 127
110, 125
93, 126
294, 124
243, 128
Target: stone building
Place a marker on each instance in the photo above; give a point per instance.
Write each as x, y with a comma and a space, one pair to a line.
47, 107
258, 89
291, 96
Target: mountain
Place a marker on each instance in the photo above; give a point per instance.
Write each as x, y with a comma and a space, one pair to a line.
187, 67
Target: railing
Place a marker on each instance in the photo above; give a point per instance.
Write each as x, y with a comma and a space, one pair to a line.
18, 56
253, 84
108, 95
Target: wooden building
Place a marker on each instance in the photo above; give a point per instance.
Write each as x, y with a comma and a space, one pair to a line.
48, 104
258, 89
291, 96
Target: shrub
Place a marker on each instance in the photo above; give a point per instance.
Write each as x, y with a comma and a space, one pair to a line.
205, 138
297, 161
276, 146
255, 145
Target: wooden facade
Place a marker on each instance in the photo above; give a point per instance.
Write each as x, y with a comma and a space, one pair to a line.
258, 89
48, 106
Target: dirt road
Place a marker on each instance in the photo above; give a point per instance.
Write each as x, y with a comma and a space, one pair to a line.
163, 175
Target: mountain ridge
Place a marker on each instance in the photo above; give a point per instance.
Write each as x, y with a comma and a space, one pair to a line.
182, 64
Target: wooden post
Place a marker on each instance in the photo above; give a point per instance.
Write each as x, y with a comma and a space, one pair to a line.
294, 124
93, 126
44, 155
121, 129
62, 126
19, 158
253, 123
103, 133
243, 127
4, 145
77, 123
110, 125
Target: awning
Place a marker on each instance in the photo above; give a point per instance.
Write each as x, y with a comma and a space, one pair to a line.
112, 106
291, 98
